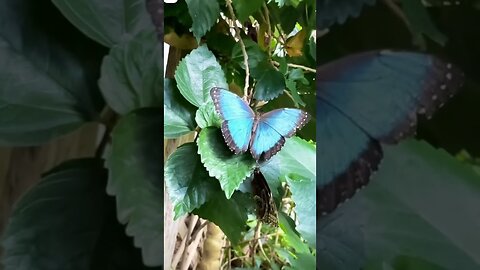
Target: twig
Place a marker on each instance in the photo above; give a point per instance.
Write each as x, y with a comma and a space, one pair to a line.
229, 262
254, 243
302, 67
282, 38
263, 252
397, 11
401, 15
267, 16
242, 46
197, 231
289, 95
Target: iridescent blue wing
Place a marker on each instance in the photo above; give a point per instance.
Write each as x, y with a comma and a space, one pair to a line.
272, 129
367, 99
238, 119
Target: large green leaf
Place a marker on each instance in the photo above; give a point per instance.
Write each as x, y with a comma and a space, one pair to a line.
245, 8
270, 82
255, 55
67, 222
136, 180
404, 263
107, 22
206, 116
132, 74
303, 261
287, 224
187, 181
197, 73
221, 163
178, 114
48, 74
297, 157
204, 14
229, 214
304, 195
420, 204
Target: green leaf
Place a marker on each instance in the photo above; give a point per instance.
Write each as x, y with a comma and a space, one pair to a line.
206, 116
132, 74
303, 261
404, 263
254, 53
135, 179
197, 74
178, 114
221, 163
270, 82
187, 180
304, 195
107, 22
420, 198
420, 20
204, 14
47, 75
297, 157
331, 12
295, 76
312, 48
245, 8
286, 16
67, 222
287, 224
229, 214
292, 86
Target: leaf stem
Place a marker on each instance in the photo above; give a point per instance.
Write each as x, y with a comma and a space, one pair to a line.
401, 15
108, 118
302, 67
246, 93
267, 16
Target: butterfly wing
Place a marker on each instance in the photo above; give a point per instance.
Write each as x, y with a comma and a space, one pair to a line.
272, 129
346, 154
238, 119
373, 97
266, 208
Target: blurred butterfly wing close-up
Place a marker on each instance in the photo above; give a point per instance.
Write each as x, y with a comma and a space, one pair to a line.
368, 99
238, 119
273, 128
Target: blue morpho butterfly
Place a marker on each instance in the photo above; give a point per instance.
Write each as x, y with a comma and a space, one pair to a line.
367, 99
243, 129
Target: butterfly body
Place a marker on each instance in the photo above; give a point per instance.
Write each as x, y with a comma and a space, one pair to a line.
266, 207
263, 134
365, 100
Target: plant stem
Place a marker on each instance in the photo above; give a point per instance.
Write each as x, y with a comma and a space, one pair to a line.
302, 67
401, 15
267, 16
108, 118
244, 50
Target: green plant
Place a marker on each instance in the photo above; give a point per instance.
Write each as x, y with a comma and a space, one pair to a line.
255, 50
65, 64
